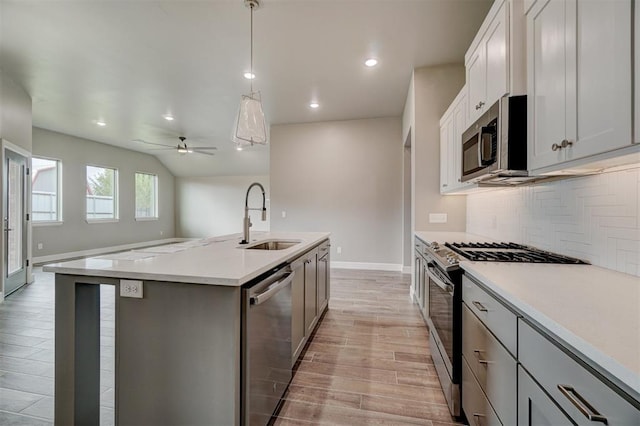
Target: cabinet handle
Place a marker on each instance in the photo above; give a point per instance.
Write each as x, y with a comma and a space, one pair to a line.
444, 184
581, 404
477, 417
556, 147
480, 360
479, 305
565, 143
481, 104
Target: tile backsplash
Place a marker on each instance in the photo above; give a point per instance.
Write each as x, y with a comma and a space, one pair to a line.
594, 218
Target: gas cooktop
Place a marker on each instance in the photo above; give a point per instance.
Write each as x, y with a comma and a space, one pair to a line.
449, 255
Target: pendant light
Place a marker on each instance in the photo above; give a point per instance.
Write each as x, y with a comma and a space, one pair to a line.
250, 126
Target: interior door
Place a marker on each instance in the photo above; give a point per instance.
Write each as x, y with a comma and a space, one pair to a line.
14, 221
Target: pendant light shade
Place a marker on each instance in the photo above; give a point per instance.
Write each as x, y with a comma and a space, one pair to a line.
250, 125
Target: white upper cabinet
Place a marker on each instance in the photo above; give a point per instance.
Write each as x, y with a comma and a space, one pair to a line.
487, 61
452, 124
637, 72
579, 79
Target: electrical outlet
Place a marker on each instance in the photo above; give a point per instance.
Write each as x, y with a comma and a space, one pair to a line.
339, 250
161, 233
131, 288
40, 246
437, 218
284, 214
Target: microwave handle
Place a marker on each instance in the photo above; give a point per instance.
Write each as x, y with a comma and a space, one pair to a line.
483, 136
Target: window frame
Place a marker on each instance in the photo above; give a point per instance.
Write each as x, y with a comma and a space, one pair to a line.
155, 198
116, 195
59, 220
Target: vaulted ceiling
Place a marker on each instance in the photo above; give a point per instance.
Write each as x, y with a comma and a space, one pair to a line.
130, 62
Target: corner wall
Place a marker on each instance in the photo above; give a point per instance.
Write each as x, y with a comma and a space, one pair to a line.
344, 177
75, 234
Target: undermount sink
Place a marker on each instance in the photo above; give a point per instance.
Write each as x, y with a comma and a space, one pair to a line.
273, 245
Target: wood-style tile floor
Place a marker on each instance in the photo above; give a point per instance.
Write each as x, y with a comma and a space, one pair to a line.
368, 362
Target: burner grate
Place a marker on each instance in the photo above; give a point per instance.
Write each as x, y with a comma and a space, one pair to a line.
509, 252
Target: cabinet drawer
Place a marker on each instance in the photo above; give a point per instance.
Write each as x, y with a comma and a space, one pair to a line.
493, 367
323, 249
535, 408
474, 402
571, 385
497, 317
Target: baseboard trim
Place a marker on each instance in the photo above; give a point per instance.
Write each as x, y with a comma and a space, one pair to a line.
407, 269
103, 250
393, 267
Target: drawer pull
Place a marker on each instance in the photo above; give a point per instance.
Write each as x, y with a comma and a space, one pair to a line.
582, 404
479, 305
480, 360
477, 417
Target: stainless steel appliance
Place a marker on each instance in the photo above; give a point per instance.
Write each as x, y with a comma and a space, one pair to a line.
444, 284
494, 148
266, 346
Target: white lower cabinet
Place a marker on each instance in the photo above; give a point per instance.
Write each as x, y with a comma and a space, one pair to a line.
535, 408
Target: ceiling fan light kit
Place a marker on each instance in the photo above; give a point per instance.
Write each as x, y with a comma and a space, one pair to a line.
250, 126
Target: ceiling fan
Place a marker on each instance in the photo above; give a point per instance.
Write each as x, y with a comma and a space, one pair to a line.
181, 147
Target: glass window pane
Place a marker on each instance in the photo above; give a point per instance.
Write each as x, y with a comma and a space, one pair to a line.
45, 201
15, 216
146, 195
101, 193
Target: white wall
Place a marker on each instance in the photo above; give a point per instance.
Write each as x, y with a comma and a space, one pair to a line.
344, 177
434, 90
75, 234
212, 206
594, 218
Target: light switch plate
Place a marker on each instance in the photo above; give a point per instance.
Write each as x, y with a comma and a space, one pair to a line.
437, 218
131, 288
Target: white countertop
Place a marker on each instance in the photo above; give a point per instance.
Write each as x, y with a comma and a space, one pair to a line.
217, 261
592, 310
450, 237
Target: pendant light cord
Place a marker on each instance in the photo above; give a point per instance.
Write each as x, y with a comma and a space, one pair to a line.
251, 32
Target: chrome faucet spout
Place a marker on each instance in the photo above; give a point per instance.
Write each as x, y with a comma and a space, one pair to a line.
247, 220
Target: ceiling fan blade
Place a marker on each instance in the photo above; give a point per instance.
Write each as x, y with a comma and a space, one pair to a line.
152, 143
197, 151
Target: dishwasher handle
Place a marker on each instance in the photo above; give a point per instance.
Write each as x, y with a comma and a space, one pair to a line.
271, 290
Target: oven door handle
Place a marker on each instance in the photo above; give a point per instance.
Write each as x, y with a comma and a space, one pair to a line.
439, 282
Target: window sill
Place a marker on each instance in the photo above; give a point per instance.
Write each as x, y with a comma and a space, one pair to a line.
92, 221
146, 219
46, 223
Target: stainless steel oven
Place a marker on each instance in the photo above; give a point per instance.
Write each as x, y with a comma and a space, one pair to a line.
445, 331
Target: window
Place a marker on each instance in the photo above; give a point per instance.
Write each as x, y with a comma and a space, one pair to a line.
46, 202
102, 193
146, 196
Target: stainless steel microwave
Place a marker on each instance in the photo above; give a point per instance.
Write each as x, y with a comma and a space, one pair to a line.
495, 146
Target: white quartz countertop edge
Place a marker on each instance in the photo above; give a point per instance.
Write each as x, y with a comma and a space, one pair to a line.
622, 376
159, 267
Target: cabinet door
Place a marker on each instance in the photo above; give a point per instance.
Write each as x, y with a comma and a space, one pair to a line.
460, 125
497, 63
636, 29
310, 293
546, 49
445, 165
297, 313
603, 77
477, 82
323, 280
535, 408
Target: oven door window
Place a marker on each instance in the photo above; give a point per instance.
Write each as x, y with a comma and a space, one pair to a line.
441, 315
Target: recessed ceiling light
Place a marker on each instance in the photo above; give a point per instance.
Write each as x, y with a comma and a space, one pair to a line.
238, 148
249, 76
371, 62
314, 105
168, 117
101, 123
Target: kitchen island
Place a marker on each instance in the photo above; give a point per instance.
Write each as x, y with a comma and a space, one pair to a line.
179, 329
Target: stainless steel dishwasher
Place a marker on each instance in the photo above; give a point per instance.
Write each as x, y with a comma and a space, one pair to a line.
266, 353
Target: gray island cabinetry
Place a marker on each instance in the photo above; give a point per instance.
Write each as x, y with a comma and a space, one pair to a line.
181, 326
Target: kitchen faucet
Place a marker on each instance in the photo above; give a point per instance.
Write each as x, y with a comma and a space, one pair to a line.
247, 220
